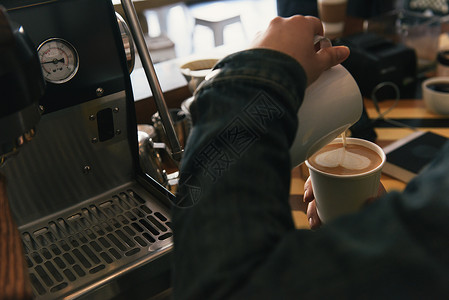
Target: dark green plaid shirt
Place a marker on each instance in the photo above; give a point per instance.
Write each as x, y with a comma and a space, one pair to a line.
233, 230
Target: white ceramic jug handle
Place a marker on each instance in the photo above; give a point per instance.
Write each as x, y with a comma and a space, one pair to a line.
323, 41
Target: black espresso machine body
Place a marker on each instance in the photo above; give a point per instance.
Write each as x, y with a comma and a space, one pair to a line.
93, 225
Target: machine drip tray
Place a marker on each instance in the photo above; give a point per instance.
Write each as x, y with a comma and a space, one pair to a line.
95, 242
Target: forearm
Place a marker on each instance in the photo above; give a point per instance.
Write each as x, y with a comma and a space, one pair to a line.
14, 280
238, 165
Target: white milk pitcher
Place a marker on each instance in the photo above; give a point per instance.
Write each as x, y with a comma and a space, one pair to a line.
331, 105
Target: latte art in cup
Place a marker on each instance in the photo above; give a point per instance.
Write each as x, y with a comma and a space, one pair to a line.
343, 178
349, 160
343, 158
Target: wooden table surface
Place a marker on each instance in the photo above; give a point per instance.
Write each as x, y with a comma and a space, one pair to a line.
411, 112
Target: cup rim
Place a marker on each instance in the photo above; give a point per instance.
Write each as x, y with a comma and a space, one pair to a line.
357, 141
210, 62
428, 81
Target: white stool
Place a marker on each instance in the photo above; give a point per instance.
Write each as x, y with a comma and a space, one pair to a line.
216, 17
163, 12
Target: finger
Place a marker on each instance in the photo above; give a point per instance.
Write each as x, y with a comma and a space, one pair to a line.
329, 57
369, 201
312, 215
317, 25
381, 191
321, 42
308, 191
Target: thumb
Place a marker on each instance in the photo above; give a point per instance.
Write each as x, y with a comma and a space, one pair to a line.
333, 56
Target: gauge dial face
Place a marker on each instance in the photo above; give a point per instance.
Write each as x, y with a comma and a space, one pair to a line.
59, 60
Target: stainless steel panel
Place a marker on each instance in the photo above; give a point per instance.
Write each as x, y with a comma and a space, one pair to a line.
64, 166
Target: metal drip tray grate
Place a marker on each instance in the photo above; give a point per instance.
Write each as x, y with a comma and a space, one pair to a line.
95, 241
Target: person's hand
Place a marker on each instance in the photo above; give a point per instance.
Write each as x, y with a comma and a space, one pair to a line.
312, 215
295, 36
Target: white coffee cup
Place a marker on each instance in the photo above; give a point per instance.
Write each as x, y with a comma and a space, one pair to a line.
337, 195
435, 99
195, 71
331, 105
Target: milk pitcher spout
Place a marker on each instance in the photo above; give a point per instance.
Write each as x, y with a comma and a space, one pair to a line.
331, 105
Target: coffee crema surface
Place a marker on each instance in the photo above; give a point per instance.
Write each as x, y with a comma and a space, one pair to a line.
350, 160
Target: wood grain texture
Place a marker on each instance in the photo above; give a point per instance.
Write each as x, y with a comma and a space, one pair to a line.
14, 278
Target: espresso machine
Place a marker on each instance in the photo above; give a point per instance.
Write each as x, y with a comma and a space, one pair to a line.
92, 223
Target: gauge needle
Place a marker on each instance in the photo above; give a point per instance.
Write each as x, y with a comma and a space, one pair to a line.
54, 61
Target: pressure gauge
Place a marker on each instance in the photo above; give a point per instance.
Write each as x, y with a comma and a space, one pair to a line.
59, 60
